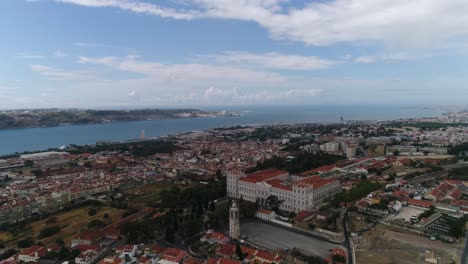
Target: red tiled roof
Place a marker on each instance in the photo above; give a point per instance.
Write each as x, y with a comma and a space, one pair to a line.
454, 182
315, 181
226, 250
262, 175
175, 254
277, 183
31, 251
419, 202
90, 235
192, 260
302, 215
318, 170
264, 211
266, 255
222, 261
158, 249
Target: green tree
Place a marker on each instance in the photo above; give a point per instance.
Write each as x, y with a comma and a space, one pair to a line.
274, 203
92, 211
212, 206
239, 252
48, 231
25, 243
169, 236
96, 224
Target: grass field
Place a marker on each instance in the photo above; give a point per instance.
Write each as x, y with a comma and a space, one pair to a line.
149, 194
71, 223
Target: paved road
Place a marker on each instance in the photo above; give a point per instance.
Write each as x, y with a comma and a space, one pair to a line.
273, 237
464, 259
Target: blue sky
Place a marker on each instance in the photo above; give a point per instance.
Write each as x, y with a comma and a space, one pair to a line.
174, 53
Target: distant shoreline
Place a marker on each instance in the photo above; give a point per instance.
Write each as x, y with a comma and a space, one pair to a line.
45, 118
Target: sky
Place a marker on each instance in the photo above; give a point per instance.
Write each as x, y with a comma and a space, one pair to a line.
180, 53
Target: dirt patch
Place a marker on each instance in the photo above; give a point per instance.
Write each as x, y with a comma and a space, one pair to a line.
384, 245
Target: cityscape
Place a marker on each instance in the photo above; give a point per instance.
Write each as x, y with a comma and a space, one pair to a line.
233, 132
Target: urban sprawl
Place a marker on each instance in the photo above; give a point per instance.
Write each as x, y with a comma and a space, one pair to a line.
348, 192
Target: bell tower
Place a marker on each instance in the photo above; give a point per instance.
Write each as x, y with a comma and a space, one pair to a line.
234, 227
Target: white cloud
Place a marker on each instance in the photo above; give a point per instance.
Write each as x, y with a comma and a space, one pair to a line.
29, 55
135, 6
275, 60
58, 75
7, 88
365, 59
386, 57
413, 24
60, 54
176, 73
130, 80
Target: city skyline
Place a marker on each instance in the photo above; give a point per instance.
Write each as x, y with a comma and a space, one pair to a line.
178, 53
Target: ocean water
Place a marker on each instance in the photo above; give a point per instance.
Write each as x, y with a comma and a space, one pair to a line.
29, 139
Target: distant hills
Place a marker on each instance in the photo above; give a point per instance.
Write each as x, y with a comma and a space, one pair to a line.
57, 117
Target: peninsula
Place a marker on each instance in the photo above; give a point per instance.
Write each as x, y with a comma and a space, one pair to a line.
27, 118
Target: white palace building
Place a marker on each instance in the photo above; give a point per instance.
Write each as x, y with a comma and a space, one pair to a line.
298, 193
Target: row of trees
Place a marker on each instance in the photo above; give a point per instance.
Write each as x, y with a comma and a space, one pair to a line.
302, 162
359, 191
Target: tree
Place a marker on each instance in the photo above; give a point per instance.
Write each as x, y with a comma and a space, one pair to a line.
339, 258
29, 163
92, 211
396, 153
212, 206
37, 173
60, 242
239, 252
274, 203
247, 209
96, 224
191, 228
169, 236
48, 231
25, 243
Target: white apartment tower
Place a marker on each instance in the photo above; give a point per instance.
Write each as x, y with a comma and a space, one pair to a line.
234, 227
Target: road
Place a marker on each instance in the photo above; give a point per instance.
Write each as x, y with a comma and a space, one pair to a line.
464, 259
347, 243
435, 175
274, 237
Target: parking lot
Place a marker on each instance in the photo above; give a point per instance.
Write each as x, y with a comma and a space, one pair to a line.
273, 237
406, 213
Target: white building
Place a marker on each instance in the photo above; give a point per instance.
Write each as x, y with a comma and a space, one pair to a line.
297, 193
32, 254
234, 227
351, 151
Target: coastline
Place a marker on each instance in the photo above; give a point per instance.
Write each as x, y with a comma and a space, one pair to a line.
18, 140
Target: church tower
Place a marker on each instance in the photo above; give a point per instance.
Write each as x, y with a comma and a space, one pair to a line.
234, 228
